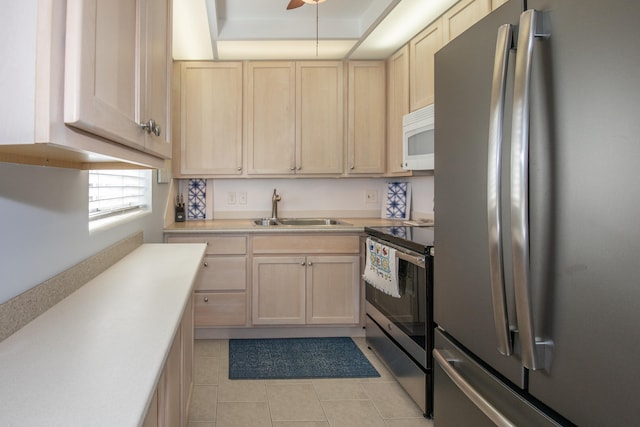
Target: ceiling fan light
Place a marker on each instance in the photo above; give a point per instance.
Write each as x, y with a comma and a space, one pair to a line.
314, 1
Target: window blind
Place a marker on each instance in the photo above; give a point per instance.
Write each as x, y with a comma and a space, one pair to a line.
114, 192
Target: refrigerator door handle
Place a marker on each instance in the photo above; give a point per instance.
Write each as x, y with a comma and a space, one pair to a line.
530, 27
504, 43
472, 394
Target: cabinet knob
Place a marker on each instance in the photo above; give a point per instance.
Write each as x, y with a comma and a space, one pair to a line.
302, 263
293, 168
299, 167
151, 126
206, 264
206, 299
352, 167
309, 263
239, 168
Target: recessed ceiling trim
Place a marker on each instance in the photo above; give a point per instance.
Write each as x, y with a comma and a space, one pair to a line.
212, 18
374, 29
373, 26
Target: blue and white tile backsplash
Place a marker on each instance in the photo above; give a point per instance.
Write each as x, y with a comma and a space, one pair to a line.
197, 199
398, 200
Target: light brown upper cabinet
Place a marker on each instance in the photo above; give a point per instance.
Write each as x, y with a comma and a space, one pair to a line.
366, 117
463, 15
210, 114
74, 95
397, 106
497, 3
271, 117
158, 76
295, 118
421, 65
319, 117
117, 87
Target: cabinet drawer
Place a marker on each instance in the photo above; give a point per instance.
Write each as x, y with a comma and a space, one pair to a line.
220, 309
216, 245
307, 244
221, 273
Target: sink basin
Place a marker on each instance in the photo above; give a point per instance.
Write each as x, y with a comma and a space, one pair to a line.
309, 221
265, 221
298, 221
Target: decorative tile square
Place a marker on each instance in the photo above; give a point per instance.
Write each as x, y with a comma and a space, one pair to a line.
197, 199
398, 200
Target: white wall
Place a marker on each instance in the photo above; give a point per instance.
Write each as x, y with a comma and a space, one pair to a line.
44, 226
309, 197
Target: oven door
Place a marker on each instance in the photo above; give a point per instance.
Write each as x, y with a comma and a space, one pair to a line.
405, 319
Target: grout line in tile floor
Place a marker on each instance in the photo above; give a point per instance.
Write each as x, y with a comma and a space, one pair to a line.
219, 402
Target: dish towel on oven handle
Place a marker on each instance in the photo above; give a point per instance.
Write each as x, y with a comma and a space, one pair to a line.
381, 270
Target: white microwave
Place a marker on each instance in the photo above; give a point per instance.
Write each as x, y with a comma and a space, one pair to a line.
417, 139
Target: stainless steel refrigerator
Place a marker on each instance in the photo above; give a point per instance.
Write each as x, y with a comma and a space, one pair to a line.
537, 206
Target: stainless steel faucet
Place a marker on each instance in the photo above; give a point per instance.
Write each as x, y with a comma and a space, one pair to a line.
274, 204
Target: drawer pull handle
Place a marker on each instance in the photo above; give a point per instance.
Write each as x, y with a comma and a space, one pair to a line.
206, 299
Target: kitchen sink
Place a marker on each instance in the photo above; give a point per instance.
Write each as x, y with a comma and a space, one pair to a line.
265, 221
309, 221
298, 221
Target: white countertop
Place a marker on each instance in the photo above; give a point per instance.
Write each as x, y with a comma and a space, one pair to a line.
246, 225
94, 359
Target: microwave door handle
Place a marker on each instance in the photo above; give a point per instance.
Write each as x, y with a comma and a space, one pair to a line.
504, 43
530, 27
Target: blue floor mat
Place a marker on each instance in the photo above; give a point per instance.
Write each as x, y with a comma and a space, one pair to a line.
295, 358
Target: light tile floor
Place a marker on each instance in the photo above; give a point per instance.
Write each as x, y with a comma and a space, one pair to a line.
220, 402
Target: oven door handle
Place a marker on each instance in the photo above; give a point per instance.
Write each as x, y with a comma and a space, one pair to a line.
402, 253
413, 259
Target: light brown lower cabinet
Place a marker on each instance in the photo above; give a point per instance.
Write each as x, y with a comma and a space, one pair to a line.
220, 297
298, 290
305, 279
170, 404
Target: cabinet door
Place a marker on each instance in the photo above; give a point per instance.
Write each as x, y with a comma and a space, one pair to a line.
102, 71
366, 117
158, 76
220, 309
497, 3
397, 106
223, 273
278, 290
333, 286
211, 118
421, 51
186, 384
319, 117
462, 16
169, 399
271, 117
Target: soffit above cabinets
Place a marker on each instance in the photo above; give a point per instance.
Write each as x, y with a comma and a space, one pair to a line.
265, 30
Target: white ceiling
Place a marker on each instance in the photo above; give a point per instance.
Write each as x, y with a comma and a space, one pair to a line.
264, 29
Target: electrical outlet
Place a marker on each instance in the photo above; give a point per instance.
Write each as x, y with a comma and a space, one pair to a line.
231, 198
371, 196
242, 198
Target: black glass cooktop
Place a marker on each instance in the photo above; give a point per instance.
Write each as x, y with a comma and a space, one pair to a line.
419, 239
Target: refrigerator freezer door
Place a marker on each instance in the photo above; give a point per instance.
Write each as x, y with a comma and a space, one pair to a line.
462, 291
468, 395
584, 209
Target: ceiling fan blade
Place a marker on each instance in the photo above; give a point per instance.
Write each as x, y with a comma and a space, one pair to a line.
293, 4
